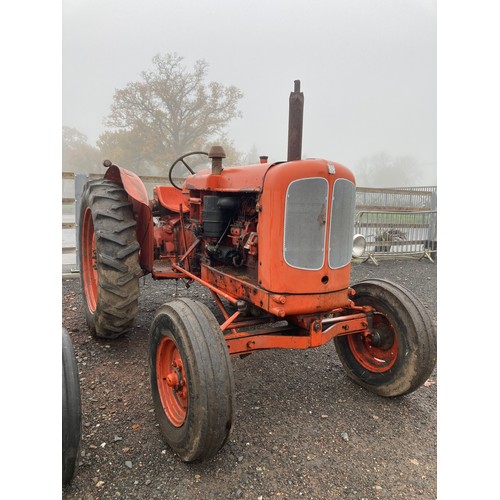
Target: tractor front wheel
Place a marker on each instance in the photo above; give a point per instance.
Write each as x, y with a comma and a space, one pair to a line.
109, 259
191, 379
399, 354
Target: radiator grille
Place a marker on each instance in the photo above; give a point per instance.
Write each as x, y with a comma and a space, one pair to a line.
341, 223
305, 223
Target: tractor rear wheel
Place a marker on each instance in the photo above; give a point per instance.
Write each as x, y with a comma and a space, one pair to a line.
109, 259
192, 381
400, 353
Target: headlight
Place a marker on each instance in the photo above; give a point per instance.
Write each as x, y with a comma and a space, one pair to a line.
358, 245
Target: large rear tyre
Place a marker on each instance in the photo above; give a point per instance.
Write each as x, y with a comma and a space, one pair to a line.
192, 381
109, 259
400, 353
71, 410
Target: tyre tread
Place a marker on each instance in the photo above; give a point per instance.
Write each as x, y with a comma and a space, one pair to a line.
214, 379
421, 336
117, 259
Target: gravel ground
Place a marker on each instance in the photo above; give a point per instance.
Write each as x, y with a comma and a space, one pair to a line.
302, 428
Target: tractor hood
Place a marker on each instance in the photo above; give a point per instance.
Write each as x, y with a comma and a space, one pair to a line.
231, 179
250, 178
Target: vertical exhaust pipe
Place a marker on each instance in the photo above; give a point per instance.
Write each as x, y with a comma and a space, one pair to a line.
295, 122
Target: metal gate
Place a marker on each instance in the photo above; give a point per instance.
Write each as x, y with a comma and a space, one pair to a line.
397, 233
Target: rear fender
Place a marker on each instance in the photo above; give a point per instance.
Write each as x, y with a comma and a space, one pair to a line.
138, 196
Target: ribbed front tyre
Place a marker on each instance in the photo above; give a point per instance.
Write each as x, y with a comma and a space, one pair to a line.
399, 354
109, 259
191, 379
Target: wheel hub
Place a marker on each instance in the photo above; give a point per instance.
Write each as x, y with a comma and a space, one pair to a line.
377, 350
382, 336
171, 380
374, 338
89, 261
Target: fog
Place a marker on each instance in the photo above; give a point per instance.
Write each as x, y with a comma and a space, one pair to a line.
367, 71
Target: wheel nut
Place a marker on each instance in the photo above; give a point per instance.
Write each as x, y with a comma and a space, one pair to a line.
375, 338
172, 379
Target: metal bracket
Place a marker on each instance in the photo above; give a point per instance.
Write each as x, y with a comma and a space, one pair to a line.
372, 258
427, 254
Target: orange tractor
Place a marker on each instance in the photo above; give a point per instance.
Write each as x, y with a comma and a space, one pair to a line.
273, 243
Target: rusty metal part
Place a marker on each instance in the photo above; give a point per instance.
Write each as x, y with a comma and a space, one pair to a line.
228, 297
376, 349
243, 284
171, 380
138, 196
295, 123
183, 233
190, 250
216, 153
292, 336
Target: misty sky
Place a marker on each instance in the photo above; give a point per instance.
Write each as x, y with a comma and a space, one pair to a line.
367, 68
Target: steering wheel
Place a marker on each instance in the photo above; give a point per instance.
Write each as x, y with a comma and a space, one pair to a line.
181, 159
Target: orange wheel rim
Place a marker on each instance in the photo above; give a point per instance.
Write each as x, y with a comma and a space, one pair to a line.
171, 381
377, 351
89, 268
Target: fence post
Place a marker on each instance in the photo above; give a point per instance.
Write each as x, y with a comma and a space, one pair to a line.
80, 181
433, 221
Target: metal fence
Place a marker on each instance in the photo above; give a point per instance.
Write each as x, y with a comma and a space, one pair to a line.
397, 233
394, 221
404, 198
397, 221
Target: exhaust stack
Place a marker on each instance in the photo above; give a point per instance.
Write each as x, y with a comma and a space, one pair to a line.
295, 122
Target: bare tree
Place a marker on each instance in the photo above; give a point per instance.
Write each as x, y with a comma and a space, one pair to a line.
171, 111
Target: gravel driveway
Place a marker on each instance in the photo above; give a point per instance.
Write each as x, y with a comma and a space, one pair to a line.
302, 428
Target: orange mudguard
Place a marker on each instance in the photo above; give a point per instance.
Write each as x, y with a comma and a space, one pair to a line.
138, 196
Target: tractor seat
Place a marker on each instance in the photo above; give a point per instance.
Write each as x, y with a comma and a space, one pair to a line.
171, 198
